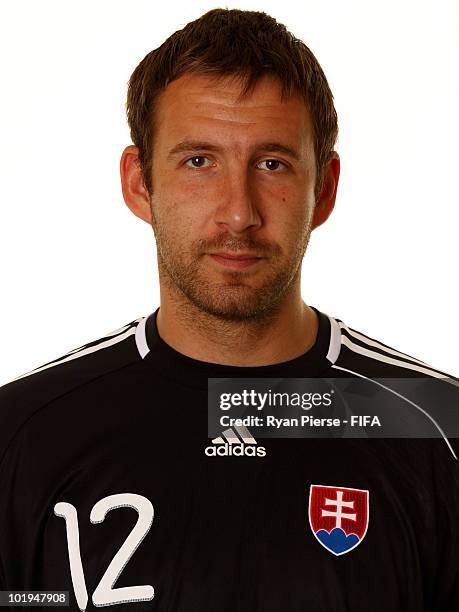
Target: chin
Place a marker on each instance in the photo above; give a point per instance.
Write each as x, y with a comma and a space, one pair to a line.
244, 308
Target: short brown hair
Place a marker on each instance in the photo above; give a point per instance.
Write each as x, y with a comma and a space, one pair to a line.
232, 42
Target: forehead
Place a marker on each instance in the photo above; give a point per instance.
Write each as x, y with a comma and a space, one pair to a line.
196, 102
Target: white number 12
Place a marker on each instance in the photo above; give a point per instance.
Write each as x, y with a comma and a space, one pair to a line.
105, 594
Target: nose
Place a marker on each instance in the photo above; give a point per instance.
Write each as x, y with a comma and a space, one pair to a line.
238, 210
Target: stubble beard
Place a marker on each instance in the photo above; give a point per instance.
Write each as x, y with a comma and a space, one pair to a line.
233, 298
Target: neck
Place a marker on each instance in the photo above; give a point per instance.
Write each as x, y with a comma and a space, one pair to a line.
283, 334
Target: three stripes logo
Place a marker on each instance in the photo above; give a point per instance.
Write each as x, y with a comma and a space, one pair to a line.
235, 442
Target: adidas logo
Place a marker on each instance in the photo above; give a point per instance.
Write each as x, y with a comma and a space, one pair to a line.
230, 445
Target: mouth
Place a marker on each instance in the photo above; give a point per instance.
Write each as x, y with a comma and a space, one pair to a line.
239, 261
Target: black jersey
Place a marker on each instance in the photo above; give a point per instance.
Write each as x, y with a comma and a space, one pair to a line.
107, 490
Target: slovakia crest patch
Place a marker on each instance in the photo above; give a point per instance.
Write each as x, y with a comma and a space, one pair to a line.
338, 516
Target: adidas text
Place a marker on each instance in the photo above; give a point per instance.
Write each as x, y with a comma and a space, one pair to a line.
235, 450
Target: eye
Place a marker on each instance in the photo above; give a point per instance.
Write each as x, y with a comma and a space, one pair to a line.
196, 158
273, 164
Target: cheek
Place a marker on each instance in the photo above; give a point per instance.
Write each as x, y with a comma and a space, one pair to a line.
288, 217
179, 226
185, 201
302, 213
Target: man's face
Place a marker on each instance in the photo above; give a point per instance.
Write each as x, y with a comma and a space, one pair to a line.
243, 187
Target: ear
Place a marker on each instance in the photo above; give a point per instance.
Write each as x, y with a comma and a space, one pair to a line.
327, 197
135, 193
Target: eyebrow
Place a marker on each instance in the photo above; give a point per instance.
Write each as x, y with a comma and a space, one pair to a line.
272, 147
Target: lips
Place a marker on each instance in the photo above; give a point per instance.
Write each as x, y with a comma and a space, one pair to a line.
237, 255
236, 261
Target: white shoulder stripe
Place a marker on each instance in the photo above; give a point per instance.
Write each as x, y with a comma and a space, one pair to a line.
404, 398
104, 337
386, 359
81, 353
85, 346
335, 340
379, 345
141, 338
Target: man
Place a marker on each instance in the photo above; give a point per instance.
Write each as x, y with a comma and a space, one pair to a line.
111, 489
